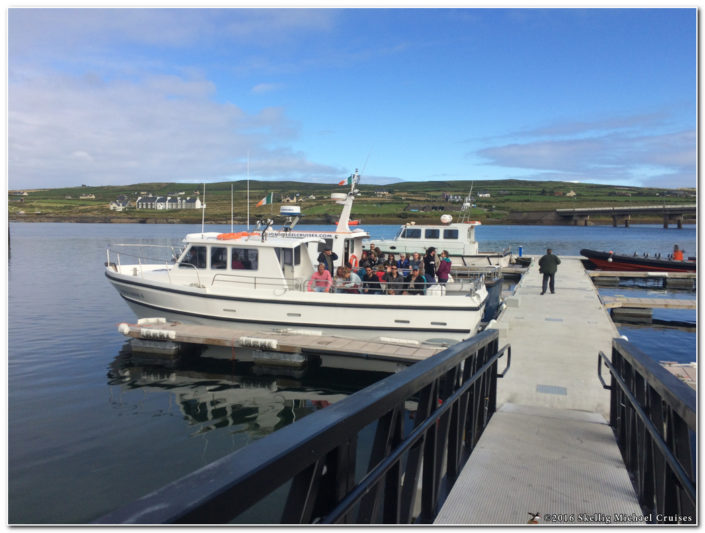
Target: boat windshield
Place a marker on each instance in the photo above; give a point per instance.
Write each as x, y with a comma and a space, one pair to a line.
412, 233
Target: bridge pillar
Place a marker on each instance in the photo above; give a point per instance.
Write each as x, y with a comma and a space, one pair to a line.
581, 220
677, 219
616, 219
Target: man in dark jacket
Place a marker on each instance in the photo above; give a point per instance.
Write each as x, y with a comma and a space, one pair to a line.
370, 282
548, 265
327, 257
415, 282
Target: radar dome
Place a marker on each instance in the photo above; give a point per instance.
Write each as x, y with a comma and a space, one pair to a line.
446, 219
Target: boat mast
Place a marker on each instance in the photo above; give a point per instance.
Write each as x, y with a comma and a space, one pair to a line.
203, 210
347, 206
463, 209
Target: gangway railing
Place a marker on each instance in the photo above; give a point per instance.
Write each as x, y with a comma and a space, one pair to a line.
386, 454
653, 415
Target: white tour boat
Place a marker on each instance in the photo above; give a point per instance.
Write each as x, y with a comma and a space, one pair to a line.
260, 280
456, 237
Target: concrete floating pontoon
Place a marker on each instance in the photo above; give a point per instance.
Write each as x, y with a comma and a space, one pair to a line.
613, 302
548, 450
287, 346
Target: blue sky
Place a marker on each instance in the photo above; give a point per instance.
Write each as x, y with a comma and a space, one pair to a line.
121, 96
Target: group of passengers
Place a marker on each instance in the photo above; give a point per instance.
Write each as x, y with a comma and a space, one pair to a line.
380, 273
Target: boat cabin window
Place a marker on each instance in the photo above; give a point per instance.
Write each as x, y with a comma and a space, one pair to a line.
243, 258
412, 233
328, 243
433, 233
195, 257
290, 257
450, 233
219, 258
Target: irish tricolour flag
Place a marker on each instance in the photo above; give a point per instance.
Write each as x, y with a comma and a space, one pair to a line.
267, 200
346, 181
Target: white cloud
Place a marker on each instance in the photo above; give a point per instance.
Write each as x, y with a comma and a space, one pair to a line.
620, 156
66, 130
261, 88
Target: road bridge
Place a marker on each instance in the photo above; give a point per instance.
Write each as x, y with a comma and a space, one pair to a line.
672, 214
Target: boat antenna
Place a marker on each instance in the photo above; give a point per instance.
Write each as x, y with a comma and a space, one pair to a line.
203, 210
248, 190
465, 210
365, 165
231, 207
347, 205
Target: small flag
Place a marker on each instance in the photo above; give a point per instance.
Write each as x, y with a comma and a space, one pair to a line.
346, 181
267, 200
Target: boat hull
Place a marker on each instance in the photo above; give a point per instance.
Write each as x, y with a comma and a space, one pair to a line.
608, 261
446, 319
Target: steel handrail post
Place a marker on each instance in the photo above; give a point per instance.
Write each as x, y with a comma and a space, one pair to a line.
417, 433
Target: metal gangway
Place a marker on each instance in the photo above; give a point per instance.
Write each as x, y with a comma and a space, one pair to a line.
403, 450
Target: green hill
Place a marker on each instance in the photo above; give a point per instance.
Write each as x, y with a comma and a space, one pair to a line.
494, 201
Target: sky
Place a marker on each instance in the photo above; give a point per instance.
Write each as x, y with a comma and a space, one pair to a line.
124, 96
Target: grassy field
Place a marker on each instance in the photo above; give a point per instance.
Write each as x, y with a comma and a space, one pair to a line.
399, 202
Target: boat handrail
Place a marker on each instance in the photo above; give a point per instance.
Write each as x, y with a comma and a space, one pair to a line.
174, 254
149, 260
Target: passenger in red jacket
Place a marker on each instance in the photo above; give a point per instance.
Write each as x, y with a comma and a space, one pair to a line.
443, 270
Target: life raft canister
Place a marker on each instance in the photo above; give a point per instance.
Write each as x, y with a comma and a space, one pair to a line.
240, 234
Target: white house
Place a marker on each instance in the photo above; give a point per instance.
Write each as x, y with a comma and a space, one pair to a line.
167, 202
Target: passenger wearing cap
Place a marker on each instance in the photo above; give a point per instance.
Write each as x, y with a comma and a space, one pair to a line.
327, 257
415, 282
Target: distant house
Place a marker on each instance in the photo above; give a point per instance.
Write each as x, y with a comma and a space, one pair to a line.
119, 205
380, 194
483, 195
19, 193
558, 193
162, 203
87, 197
571, 194
146, 202
312, 197
452, 197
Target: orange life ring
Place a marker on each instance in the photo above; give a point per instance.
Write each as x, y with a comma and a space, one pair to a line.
353, 260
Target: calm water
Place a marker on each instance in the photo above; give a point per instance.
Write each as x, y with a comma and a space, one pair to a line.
87, 433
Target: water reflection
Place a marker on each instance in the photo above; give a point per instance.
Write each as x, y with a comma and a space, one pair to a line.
214, 395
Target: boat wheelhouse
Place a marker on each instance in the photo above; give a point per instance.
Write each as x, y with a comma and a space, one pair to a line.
456, 237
